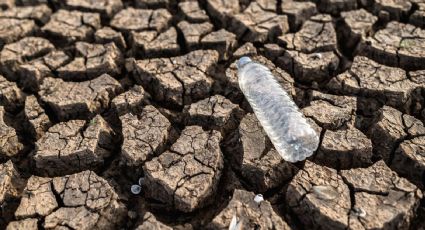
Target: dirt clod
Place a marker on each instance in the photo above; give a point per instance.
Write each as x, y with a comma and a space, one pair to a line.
398, 44
247, 211
215, 112
177, 80
71, 26
145, 135
83, 200
188, 174
74, 146
83, 98
10, 145
131, 19
92, 60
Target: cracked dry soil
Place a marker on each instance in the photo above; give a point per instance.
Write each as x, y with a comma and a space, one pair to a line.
95, 94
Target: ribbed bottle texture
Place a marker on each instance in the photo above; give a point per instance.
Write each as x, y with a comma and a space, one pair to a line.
280, 117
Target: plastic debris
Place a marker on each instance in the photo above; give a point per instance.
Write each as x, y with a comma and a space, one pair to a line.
258, 198
280, 117
136, 189
317, 56
359, 212
235, 223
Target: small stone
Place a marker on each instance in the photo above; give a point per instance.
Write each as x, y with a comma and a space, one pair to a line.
317, 56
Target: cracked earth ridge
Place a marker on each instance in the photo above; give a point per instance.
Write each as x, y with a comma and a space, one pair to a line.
100, 95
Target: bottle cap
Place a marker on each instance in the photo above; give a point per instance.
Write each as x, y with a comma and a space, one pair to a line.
243, 61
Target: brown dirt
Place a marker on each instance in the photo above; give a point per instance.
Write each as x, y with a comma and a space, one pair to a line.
97, 94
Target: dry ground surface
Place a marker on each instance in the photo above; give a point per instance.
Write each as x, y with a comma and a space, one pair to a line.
95, 94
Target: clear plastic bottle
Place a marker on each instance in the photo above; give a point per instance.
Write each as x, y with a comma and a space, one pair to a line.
280, 117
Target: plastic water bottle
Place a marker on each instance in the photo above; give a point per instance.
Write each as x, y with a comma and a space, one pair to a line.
287, 128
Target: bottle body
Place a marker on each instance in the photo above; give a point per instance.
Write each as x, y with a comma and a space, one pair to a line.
287, 128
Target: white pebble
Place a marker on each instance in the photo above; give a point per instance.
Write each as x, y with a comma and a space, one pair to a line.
136, 189
259, 198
